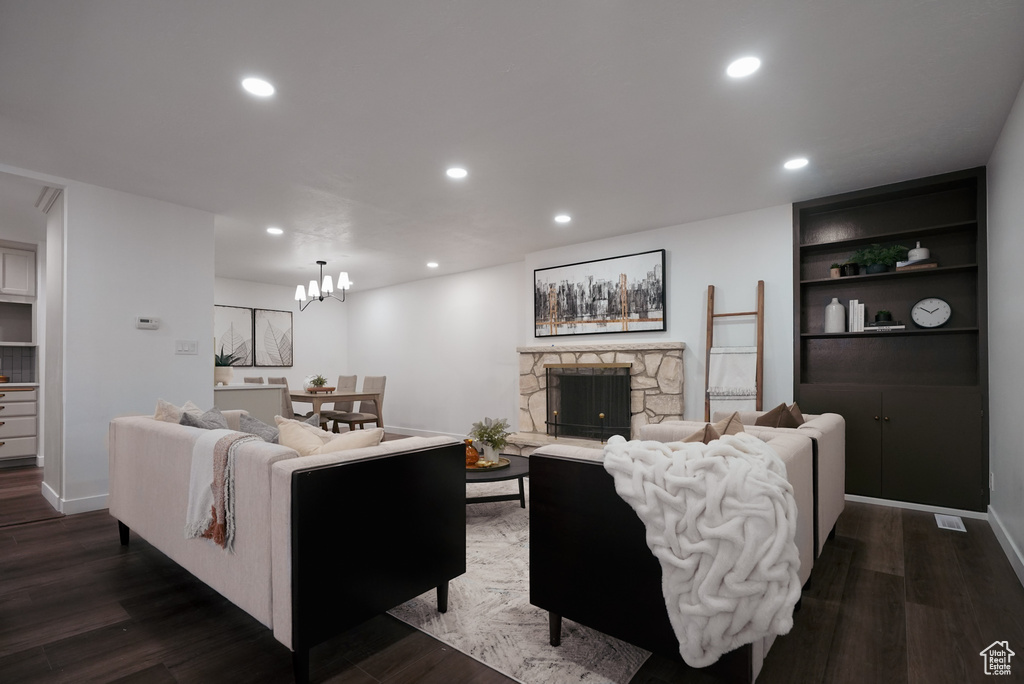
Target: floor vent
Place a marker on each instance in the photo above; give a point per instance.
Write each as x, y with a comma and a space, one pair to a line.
950, 522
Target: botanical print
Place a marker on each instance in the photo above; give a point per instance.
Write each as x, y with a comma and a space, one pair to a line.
621, 294
232, 333
273, 338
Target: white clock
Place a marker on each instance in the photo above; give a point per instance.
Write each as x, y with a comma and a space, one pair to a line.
931, 312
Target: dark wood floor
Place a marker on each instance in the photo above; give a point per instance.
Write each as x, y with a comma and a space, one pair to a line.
20, 500
893, 599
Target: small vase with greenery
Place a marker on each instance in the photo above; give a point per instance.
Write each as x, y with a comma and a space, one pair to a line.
493, 434
222, 363
883, 315
878, 259
315, 381
834, 271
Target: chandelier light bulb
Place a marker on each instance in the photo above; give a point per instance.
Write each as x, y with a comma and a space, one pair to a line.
314, 289
300, 293
328, 285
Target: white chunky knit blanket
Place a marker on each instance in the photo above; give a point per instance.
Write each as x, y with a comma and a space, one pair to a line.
721, 520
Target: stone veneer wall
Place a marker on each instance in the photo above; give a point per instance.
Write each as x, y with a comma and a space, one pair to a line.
656, 379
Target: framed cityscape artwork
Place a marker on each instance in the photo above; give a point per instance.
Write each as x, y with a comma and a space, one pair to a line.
614, 295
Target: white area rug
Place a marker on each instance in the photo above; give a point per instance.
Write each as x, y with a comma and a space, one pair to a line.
489, 613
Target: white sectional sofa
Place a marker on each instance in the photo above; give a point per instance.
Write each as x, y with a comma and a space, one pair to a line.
321, 543
828, 433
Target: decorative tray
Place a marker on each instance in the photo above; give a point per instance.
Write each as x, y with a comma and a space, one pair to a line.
502, 463
316, 390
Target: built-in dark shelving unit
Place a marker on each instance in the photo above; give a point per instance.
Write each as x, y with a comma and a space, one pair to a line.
914, 399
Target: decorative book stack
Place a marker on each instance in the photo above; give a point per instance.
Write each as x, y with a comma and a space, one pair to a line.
856, 313
884, 326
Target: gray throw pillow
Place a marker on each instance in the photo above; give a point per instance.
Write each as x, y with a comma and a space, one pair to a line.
210, 420
254, 426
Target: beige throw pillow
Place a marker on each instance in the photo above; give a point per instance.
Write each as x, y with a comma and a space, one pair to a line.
308, 439
706, 435
169, 413
730, 425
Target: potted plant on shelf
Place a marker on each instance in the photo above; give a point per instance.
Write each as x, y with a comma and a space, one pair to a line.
493, 434
222, 363
833, 271
883, 315
848, 268
878, 259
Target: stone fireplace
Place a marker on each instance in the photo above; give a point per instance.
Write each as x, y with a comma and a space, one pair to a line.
655, 371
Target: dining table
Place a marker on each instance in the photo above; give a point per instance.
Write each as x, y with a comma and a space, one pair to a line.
318, 399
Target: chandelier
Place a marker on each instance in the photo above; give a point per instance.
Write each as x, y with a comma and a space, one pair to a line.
323, 290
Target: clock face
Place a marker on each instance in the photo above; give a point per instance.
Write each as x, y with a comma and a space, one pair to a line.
931, 312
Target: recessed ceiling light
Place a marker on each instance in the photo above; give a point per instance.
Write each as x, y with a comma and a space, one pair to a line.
797, 163
563, 218
457, 172
431, 264
744, 66
274, 230
258, 87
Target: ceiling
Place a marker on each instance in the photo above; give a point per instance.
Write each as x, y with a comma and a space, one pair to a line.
618, 113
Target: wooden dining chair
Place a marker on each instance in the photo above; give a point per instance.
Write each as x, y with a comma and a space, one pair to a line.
346, 383
368, 410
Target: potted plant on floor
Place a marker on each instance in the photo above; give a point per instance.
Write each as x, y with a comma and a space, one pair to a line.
493, 434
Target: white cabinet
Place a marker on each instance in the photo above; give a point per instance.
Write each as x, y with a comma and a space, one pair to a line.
18, 426
17, 272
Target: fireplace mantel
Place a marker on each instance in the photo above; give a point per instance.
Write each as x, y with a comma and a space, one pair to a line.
656, 383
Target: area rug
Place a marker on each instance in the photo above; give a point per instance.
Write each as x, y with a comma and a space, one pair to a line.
489, 613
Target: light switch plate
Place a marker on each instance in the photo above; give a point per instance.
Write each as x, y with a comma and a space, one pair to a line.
190, 347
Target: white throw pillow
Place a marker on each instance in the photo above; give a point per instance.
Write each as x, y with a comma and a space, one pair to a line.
353, 439
169, 413
308, 439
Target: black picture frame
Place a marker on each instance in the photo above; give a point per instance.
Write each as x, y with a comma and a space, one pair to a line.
587, 297
233, 333
273, 336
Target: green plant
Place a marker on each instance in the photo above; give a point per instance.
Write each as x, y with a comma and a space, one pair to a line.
877, 254
223, 359
493, 433
883, 312
316, 380
834, 266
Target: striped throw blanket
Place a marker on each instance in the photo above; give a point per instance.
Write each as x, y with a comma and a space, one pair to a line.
211, 491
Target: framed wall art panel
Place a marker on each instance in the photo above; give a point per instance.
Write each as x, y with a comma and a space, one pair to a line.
614, 295
273, 338
232, 333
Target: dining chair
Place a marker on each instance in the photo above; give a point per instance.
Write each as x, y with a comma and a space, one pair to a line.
287, 409
368, 410
346, 383
254, 380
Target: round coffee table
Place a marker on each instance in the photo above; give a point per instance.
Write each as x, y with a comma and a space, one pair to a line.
518, 469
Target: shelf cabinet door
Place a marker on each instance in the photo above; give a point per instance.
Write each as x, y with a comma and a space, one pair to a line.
862, 411
932, 448
17, 272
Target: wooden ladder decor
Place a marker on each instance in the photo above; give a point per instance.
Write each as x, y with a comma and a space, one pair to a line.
759, 314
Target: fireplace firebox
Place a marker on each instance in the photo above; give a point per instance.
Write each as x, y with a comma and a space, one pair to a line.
588, 400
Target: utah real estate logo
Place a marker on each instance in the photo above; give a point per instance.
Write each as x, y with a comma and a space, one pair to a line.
997, 658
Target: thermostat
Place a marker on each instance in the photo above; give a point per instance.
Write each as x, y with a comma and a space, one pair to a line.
147, 323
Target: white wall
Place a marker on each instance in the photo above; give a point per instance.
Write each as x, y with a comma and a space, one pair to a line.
447, 346
129, 256
319, 334
730, 252
1006, 330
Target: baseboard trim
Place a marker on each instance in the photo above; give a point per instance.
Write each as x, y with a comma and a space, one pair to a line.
1013, 553
52, 498
84, 505
977, 515
422, 433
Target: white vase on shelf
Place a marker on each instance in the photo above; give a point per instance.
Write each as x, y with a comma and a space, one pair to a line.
835, 317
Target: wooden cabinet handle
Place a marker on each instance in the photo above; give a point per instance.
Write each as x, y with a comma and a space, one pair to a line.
2, 443
2, 423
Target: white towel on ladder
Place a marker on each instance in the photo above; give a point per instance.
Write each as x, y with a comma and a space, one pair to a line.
732, 379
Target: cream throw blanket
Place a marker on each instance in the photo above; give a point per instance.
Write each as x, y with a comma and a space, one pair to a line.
211, 490
721, 520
